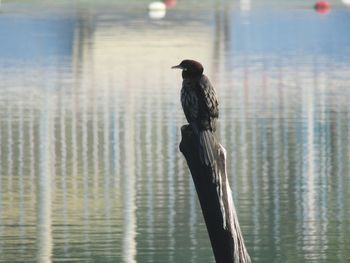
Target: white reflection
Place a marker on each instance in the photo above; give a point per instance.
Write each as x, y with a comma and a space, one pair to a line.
309, 198
276, 177
245, 5
298, 155
129, 199
63, 144
21, 182
157, 5
346, 2
44, 186
106, 158
115, 137
322, 86
95, 147
9, 151
115, 147
31, 145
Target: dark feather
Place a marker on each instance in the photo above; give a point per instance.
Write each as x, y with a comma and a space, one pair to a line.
200, 105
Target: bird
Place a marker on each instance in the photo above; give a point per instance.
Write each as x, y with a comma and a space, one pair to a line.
200, 105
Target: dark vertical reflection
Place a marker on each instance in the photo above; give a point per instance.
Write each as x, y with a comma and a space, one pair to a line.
138, 164
106, 161
256, 186
95, 145
340, 171
115, 145
74, 146
150, 179
244, 99
321, 81
85, 172
276, 176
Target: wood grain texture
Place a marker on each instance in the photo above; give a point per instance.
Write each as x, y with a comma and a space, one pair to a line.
215, 197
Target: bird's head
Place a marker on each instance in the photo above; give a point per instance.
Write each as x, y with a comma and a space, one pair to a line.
190, 68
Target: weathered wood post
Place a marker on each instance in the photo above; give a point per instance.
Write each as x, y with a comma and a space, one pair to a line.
215, 198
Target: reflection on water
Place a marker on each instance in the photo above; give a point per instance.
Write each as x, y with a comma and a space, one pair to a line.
89, 110
44, 189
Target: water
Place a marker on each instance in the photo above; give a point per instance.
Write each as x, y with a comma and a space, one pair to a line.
90, 169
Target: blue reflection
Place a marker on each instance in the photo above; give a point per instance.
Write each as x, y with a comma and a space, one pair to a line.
291, 33
31, 37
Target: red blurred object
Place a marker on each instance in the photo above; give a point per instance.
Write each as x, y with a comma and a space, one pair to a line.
170, 3
322, 7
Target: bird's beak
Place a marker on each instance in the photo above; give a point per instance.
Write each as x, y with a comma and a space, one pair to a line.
178, 66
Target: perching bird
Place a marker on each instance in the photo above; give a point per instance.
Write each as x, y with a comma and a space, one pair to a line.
200, 105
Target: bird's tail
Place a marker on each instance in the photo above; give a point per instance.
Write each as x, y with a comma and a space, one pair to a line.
207, 147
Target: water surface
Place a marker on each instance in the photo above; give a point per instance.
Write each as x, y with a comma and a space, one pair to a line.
90, 117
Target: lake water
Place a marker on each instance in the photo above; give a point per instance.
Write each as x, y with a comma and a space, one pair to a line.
90, 117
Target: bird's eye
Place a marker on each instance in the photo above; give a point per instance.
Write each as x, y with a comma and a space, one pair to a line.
184, 69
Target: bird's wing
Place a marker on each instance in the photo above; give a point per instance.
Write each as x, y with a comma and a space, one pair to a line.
210, 99
189, 103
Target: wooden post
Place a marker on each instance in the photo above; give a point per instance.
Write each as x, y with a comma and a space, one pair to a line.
215, 198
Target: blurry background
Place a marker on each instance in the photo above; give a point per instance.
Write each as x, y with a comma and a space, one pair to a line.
90, 117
